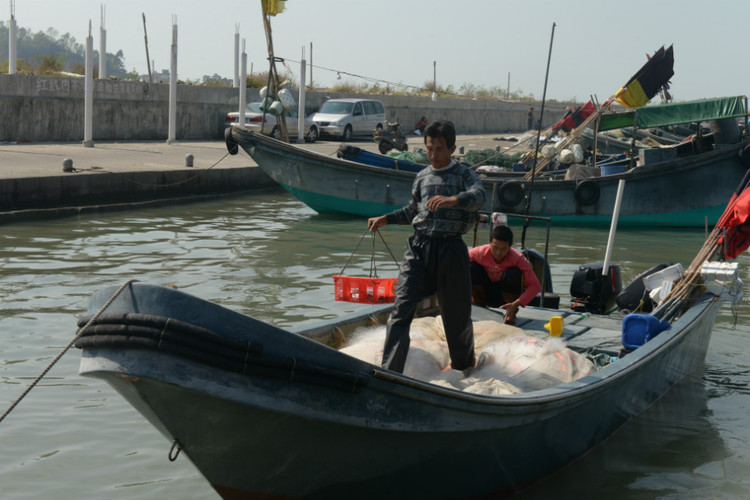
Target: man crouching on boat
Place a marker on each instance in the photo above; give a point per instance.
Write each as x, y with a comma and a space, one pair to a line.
445, 199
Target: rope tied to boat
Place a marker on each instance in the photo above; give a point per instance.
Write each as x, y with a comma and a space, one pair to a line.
65, 349
148, 184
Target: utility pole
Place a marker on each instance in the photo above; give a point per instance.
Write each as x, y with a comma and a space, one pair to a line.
148, 59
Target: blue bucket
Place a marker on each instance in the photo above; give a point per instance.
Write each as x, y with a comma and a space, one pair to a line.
637, 329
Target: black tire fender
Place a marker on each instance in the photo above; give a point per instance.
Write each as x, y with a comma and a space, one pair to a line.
587, 192
231, 142
511, 193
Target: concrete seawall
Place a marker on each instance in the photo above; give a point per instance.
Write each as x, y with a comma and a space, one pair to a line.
43, 109
34, 183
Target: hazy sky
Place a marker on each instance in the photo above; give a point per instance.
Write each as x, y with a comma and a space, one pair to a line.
598, 44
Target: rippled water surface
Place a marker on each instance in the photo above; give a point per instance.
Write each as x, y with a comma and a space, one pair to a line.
269, 256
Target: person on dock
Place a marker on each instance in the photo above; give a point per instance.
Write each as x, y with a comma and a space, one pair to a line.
420, 126
445, 200
501, 276
530, 119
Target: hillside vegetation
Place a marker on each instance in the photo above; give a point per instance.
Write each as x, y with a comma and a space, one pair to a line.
49, 54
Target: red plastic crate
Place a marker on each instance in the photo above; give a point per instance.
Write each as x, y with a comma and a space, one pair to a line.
365, 290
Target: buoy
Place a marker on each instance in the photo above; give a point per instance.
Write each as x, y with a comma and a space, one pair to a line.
555, 326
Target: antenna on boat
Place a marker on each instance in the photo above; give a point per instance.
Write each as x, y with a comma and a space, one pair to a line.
538, 137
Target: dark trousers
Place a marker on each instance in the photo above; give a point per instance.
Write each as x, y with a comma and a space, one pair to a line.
432, 266
494, 294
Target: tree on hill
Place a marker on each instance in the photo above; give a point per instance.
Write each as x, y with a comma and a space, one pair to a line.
46, 53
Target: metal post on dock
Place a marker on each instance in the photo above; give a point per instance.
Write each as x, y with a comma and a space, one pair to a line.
172, 137
243, 87
12, 40
237, 56
103, 48
88, 106
301, 100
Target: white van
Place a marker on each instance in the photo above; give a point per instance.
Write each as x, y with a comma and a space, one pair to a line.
349, 117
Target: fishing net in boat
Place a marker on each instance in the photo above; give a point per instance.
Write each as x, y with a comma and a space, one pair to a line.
519, 362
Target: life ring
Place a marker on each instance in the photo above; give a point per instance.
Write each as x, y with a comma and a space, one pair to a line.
587, 192
230, 141
511, 193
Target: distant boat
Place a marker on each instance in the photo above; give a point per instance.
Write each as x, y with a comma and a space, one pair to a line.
685, 184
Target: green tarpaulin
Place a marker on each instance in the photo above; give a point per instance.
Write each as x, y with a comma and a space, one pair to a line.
675, 113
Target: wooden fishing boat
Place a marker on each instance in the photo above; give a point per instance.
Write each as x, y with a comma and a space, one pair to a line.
685, 184
265, 412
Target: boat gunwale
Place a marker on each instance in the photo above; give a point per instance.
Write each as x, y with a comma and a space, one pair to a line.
276, 147
571, 391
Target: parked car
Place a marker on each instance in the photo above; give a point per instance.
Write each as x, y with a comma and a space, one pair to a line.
349, 117
254, 121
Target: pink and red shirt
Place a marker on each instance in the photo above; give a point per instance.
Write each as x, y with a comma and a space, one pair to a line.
483, 255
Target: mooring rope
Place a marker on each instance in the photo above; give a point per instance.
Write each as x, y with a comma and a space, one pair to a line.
171, 184
65, 349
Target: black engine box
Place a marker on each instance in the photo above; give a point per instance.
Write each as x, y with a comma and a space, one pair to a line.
594, 292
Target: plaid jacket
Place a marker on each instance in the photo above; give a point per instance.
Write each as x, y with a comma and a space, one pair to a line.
454, 180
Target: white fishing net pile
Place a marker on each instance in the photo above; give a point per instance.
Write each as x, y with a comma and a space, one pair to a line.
520, 362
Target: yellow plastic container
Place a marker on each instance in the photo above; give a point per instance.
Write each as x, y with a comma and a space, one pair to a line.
555, 326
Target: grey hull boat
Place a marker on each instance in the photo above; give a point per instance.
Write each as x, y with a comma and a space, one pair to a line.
682, 185
270, 413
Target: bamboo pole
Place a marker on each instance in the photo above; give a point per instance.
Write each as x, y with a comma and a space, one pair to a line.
273, 77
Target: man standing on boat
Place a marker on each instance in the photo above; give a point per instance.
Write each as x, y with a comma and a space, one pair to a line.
445, 199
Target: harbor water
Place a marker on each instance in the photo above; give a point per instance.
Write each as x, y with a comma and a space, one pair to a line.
270, 256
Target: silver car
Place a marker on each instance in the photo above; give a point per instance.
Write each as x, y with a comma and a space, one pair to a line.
254, 120
349, 117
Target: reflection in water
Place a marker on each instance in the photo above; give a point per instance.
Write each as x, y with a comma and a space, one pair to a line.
270, 256
659, 454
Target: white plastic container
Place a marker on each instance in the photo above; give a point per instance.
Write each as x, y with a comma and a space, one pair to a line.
566, 156
548, 151
499, 219
276, 108
722, 279
577, 153
667, 275
287, 99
